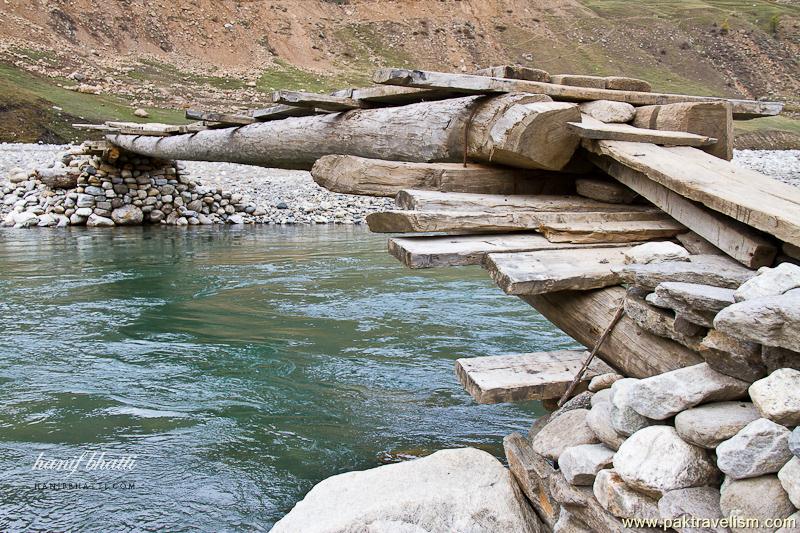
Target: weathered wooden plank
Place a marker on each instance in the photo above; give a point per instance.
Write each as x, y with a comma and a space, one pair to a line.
714, 270
471, 84
530, 376
280, 112
515, 72
584, 315
420, 200
579, 80
376, 177
393, 95
532, 472
316, 101
736, 239
745, 195
649, 225
543, 271
427, 252
604, 191
222, 118
626, 132
611, 231
713, 119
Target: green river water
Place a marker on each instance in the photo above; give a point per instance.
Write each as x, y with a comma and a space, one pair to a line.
239, 366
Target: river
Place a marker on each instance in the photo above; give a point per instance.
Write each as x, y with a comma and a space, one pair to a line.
231, 369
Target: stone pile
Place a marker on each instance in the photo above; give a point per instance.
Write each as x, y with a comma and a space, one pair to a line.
718, 439
120, 189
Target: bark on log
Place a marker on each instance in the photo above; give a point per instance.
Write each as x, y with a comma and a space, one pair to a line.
527, 131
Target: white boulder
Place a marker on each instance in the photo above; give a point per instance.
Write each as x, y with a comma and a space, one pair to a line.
777, 396
761, 447
769, 282
656, 252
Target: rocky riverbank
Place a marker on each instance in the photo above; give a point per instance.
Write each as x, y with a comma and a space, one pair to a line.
143, 190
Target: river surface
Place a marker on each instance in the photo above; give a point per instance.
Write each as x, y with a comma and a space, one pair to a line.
228, 370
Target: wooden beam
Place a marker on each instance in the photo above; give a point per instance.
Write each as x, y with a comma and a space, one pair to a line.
470, 84
392, 95
223, 118
626, 132
280, 112
741, 242
376, 177
633, 225
745, 195
426, 252
584, 315
544, 271
530, 376
419, 200
316, 101
515, 72
611, 231
713, 119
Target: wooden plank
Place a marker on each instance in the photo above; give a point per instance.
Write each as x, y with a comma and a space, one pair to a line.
515, 72
626, 132
280, 112
223, 118
579, 80
584, 315
745, 195
427, 252
610, 231
316, 101
604, 190
459, 222
471, 84
741, 242
392, 95
522, 377
376, 177
543, 271
713, 119
420, 200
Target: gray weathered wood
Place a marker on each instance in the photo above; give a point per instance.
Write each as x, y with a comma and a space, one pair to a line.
375, 177
611, 231
452, 201
714, 270
605, 191
543, 271
280, 112
743, 243
427, 252
532, 472
626, 132
745, 195
500, 130
471, 84
316, 101
713, 119
223, 118
584, 315
530, 376
515, 72
616, 226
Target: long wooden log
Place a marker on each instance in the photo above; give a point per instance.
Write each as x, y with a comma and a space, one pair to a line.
503, 130
470, 84
743, 243
626, 132
316, 101
375, 177
745, 195
620, 226
584, 315
452, 201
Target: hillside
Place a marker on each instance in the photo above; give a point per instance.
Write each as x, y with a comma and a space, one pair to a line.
167, 56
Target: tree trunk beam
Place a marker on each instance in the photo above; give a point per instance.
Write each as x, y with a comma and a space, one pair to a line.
621, 226
470, 84
736, 239
502, 130
515, 72
625, 132
417, 200
584, 315
316, 101
374, 177
427, 252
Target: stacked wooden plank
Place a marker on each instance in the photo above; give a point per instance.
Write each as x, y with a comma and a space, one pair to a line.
573, 192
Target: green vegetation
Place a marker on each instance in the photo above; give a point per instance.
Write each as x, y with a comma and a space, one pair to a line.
779, 123
28, 109
164, 74
289, 77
